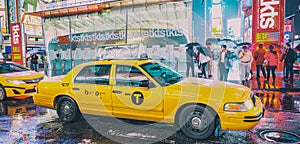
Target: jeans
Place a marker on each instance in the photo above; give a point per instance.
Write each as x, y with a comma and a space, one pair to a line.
203, 72
35, 67
269, 69
289, 70
223, 72
188, 66
245, 70
258, 68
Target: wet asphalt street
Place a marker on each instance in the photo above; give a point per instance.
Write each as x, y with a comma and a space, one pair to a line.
23, 122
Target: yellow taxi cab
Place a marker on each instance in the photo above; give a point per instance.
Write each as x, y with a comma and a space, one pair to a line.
144, 89
17, 81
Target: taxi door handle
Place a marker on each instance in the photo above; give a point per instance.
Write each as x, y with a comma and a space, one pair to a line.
117, 91
75, 89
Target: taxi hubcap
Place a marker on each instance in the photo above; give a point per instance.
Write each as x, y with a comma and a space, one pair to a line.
196, 122
67, 109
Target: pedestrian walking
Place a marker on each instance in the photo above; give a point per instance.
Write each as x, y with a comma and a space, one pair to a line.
259, 57
289, 58
246, 61
202, 63
224, 63
272, 60
189, 61
34, 62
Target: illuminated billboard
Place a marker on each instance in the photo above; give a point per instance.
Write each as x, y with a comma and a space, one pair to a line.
268, 21
216, 22
234, 26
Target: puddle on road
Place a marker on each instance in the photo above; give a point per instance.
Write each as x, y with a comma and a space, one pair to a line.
275, 101
279, 136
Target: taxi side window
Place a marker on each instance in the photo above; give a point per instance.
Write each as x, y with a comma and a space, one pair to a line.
98, 74
129, 76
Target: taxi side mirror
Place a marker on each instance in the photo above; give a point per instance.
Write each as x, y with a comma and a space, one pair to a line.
144, 83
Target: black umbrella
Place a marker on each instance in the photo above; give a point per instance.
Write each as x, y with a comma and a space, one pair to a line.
192, 44
204, 50
243, 43
277, 45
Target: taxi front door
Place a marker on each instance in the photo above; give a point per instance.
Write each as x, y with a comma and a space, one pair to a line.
135, 96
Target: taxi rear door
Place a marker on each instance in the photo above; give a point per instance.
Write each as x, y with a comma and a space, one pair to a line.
92, 90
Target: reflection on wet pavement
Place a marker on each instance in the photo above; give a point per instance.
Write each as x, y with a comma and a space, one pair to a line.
23, 122
275, 101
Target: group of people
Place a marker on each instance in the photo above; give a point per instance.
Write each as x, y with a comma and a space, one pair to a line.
32, 62
202, 62
266, 61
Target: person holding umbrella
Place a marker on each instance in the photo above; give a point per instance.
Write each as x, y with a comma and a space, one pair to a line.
34, 62
189, 61
224, 63
203, 61
189, 58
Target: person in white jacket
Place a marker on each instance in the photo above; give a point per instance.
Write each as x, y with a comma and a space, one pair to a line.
203, 61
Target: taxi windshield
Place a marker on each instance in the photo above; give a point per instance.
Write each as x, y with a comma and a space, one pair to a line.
11, 67
162, 74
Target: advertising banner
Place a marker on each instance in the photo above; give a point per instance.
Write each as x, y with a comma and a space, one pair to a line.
16, 43
33, 25
288, 25
288, 30
58, 4
268, 21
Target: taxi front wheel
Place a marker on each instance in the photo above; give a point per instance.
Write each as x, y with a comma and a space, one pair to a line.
67, 110
2, 93
197, 122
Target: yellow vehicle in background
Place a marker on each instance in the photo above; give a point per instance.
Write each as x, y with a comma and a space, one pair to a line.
144, 89
17, 81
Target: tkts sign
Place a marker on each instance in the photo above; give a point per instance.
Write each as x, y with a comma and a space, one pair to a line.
16, 43
268, 21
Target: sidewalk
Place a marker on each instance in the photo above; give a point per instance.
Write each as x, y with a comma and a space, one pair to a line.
279, 86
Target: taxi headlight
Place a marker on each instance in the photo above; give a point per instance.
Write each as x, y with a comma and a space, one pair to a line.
238, 107
15, 81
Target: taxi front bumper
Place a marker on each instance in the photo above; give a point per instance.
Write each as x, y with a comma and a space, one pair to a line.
20, 91
242, 120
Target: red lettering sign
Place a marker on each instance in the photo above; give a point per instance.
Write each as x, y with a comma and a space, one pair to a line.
268, 16
16, 43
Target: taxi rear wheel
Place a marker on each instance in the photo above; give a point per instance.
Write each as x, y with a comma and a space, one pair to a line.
2, 93
197, 122
67, 110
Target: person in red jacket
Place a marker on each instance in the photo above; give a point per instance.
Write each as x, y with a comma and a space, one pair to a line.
272, 58
259, 60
